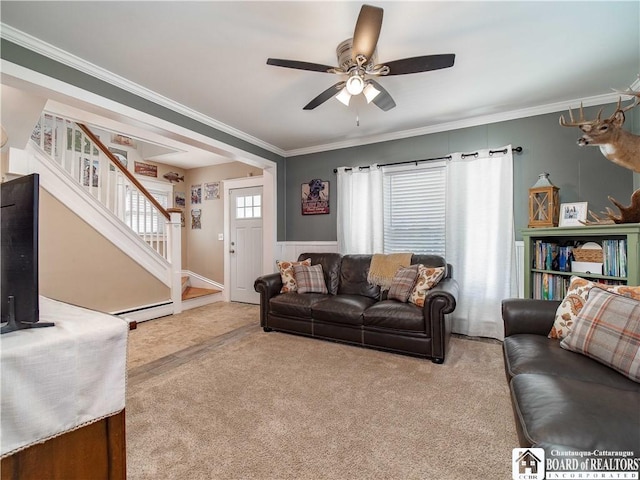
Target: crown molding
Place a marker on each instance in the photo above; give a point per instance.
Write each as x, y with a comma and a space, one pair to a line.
43, 48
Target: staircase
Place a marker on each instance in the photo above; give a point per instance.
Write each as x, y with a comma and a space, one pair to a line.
77, 169
189, 292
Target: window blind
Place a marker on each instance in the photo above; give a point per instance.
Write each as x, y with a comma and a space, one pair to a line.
141, 215
414, 209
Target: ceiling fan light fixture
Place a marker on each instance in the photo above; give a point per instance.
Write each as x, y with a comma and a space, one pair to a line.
355, 84
370, 92
344, 97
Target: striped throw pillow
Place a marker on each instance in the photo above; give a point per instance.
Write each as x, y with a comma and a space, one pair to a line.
310, 279
287, 275
607, 329
402, 283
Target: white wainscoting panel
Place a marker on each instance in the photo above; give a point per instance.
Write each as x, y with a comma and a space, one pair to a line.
520, 271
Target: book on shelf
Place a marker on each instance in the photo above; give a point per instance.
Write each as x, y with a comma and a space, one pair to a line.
553, 256
549, 286
614, 257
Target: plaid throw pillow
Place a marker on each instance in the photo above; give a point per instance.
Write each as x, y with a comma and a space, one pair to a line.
607, 329
575, 299
310, 279
286, 274
402, 283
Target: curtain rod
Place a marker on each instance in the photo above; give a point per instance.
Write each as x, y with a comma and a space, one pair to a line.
448, 157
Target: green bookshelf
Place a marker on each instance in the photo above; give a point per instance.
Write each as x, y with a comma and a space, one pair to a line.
627, 235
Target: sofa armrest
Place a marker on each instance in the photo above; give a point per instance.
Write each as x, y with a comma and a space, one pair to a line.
439, 301
267, 286
523, 315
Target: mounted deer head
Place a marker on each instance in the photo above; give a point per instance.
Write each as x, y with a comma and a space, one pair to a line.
616, 144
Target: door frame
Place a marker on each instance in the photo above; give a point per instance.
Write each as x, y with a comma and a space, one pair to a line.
268, 182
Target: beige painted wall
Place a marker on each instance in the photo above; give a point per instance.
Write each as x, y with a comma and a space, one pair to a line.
80, 266
205, 253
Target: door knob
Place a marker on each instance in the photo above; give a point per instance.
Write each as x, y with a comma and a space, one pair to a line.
232, 251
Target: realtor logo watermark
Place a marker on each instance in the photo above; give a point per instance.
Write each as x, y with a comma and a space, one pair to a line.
528, 463
535, 464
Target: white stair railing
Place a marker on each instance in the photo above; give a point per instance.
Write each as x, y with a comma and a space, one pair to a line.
80, 153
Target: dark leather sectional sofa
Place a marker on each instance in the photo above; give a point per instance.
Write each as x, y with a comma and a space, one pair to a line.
353, 311
564, 401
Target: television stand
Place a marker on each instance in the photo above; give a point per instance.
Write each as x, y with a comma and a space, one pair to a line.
13, 324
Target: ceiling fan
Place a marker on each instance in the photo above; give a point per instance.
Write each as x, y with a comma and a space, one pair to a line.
357, 59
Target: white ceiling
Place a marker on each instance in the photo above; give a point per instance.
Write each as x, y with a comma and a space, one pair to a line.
210, 57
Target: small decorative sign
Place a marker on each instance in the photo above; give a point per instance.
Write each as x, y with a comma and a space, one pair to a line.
196, 194
315, 197
196, 215
146, 169
212, 191
123, 140
179, 199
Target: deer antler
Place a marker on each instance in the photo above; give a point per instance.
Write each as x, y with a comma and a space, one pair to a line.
630, 214
633, 104
581, 121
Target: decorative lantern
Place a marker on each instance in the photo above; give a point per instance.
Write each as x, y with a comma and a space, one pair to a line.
544, 203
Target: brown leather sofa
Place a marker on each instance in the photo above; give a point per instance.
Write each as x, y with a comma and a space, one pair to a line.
353, 311
564, 401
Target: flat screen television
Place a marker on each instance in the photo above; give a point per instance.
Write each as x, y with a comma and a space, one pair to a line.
19, 293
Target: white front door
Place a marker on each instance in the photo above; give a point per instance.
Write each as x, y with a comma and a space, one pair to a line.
245, 243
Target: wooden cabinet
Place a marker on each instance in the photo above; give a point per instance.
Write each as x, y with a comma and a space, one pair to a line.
546, 280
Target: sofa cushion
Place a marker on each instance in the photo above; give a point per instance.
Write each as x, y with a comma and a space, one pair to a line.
607, 329
344, 309
310, 279
293, 304
575, 299
353, 277
428, 277
562, 411
331, 263
394, 315
402, 283
528, 353
287, 274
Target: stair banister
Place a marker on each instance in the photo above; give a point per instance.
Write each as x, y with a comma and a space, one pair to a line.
124, 171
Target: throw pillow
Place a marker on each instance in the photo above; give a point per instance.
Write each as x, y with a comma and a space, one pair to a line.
287, 275
310, 279
575, 299
607, 329
428, 277
403, 283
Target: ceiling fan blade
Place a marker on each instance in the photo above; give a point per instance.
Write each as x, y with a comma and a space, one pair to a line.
314, 67
367, 31
383, 100
420, 64
330, 92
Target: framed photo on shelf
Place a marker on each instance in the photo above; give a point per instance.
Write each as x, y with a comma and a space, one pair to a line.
573, 214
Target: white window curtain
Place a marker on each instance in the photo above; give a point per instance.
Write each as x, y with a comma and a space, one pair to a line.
480, 239
360, 210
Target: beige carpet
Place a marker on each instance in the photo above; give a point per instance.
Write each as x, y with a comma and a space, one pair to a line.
247, 404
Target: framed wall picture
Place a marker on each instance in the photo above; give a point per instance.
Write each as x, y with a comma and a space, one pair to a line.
145, 169
315, 197
573, 214
212, 191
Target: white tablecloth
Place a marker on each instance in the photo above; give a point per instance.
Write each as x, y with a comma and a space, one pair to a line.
56, 379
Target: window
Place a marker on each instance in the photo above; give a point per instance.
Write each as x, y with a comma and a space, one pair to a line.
414, 209
140, 214
249, 206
